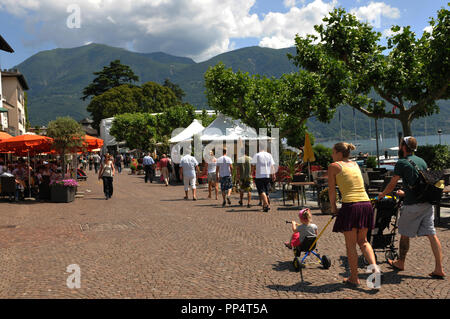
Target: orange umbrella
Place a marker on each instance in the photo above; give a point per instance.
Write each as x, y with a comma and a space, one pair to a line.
91, 142
4, 136
26, 143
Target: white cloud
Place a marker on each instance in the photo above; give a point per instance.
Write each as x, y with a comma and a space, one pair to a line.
198, 29
428, 29
387, 33
279, 29
374, 12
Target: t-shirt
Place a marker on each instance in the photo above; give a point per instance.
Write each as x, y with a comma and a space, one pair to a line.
163, 162
306, 230
223, 163
245, 167
148, 160
410, 176
212, 164
96, 158
188, 164
263, 162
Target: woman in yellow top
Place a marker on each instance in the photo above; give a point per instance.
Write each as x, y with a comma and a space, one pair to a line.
356, 215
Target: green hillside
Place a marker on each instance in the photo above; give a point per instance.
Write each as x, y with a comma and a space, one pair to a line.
57, 78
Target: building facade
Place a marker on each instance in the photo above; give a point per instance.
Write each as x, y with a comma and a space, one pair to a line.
14, 86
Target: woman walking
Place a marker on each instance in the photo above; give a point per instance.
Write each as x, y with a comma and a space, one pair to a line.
356, 216
106, 173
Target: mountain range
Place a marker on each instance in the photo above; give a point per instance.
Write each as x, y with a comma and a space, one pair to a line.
57, 77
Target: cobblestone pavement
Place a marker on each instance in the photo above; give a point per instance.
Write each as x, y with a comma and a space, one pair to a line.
147, 242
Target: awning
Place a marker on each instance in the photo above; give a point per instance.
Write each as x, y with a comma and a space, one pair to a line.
5, 46
2, 109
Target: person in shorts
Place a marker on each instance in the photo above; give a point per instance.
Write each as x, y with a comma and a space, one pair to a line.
263, 165
188, 169
416, 218
245, 178
211, 162
224, 169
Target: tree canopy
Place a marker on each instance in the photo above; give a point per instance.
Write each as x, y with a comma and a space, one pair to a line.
260, 102
350, 66
111, 76
67, 134
151, 97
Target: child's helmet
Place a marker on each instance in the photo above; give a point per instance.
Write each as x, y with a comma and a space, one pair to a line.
302, 212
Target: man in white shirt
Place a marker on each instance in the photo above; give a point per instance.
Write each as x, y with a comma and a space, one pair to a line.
263, 164
224, 169
188, 169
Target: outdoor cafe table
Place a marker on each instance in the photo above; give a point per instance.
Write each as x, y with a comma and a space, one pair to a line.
300, 191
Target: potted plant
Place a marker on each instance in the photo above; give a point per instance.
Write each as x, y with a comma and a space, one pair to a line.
63, 191
324, 201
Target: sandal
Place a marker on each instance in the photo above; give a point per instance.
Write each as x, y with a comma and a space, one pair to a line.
435, 276
391, 263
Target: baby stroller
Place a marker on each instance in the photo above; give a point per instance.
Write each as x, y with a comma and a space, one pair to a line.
308, 246
382, 237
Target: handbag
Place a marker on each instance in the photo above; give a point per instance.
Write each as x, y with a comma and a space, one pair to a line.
429, 186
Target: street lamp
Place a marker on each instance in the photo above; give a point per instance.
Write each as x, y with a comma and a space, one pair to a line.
439, 133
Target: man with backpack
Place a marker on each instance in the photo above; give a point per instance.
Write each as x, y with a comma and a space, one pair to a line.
416, 215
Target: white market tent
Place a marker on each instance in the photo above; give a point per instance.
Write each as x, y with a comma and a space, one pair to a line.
194, 128
224, 128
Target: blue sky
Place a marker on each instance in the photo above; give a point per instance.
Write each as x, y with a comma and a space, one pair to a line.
198, 29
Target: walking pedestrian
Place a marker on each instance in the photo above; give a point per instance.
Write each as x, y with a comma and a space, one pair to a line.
416, 217
118, 162
164, 164
149, 167
188, 170
211, 163
106, 173
264, 168
97, 160
223, 174
245, 178
356, 216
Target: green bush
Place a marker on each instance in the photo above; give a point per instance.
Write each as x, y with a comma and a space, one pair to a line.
371, 162
322, 155
437, 157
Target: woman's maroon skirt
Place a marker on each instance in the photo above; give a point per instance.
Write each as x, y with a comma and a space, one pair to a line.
354, 215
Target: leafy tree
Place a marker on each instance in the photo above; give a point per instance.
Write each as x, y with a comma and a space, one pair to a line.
179, 93
349, 65
151, 97
260, 102
323, 155
437, 157
111, 76
67, 134
137, 129
205, 118
157, 98
118, 100
177, 116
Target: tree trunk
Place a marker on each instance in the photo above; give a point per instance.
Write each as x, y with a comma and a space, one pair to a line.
406, 125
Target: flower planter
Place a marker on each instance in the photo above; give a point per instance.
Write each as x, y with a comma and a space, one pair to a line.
62, 194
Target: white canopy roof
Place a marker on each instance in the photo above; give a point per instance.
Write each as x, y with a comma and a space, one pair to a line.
225, 128
195, 127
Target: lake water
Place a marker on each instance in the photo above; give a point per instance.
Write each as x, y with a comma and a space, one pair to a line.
370, 146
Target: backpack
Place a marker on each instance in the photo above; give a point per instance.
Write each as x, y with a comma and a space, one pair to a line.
429, 186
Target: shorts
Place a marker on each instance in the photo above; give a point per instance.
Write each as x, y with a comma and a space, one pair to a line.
212, 177
245, 185
262, 185
189, 181
416, 220
225, 183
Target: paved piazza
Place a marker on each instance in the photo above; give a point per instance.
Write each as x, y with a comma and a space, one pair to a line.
147, 242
